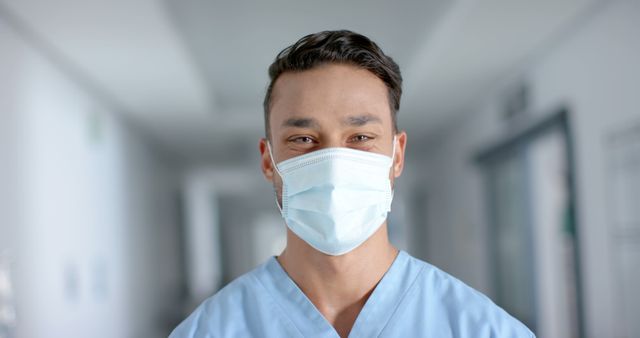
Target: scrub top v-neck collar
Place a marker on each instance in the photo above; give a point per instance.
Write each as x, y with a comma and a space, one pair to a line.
374, 316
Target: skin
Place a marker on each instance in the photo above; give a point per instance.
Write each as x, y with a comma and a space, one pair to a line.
333, 105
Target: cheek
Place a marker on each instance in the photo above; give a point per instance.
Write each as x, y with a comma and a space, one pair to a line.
277, 183
277, 187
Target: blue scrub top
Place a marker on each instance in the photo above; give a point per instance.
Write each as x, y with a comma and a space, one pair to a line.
413, 299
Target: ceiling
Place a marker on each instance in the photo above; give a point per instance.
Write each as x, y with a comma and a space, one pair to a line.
192, 73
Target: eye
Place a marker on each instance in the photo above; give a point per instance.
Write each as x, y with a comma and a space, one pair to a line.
302, 140
361, 138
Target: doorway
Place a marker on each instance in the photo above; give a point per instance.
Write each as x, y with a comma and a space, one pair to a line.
530, 192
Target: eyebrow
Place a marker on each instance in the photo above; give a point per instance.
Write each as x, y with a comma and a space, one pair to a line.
361, 120
301, 122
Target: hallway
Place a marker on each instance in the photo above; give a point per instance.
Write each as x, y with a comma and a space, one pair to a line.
130, 182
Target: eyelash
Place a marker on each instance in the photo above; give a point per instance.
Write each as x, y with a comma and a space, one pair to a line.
367, 138
298, 139
309, 140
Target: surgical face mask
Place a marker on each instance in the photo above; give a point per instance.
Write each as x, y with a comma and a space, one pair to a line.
335, 198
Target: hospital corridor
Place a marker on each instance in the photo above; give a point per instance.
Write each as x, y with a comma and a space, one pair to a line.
131, 187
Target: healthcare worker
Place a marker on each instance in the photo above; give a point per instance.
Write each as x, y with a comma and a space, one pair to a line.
332, 151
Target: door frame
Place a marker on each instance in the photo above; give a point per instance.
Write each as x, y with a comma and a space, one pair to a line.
519, 138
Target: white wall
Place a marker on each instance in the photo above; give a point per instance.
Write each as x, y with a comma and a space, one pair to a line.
202, 238
9, 143
596, 72
92, 206
9, 176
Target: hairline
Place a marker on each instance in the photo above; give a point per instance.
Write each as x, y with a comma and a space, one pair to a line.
269, 94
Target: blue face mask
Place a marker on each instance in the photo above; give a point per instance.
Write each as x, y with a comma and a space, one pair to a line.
335, 198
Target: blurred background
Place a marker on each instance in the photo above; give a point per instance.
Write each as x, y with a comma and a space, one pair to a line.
130, 187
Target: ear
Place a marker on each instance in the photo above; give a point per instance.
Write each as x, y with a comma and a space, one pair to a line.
398, 160
265, 160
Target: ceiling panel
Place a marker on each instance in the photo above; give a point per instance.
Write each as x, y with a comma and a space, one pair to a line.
193, 72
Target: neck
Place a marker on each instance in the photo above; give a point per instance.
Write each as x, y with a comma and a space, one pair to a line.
338, 286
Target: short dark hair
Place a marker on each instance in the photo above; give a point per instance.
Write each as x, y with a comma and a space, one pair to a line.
342, 47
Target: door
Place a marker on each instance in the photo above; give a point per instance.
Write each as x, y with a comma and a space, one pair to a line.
531, 199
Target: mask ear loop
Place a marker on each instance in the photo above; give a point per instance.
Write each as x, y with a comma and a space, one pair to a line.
393, 158
393, 153
275, 192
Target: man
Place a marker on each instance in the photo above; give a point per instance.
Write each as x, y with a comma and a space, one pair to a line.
332, 151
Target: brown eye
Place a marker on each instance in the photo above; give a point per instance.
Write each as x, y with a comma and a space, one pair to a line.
361, 138
303, 139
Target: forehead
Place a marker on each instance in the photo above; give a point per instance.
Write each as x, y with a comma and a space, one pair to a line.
329, 93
